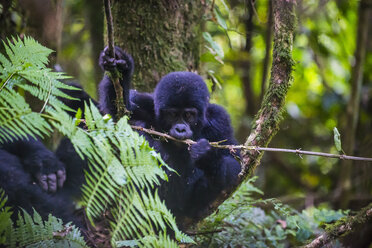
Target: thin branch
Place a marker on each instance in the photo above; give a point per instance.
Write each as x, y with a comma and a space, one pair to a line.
120, 106
342, 228
299, 152
110, 29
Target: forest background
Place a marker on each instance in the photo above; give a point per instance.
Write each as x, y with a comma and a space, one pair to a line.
235, 57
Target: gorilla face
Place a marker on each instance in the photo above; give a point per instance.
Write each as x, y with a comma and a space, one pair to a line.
179, 122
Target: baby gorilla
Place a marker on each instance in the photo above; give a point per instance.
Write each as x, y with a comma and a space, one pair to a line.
179, 106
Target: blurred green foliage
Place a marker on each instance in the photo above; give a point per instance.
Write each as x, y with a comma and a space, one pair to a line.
244, 221
323, 49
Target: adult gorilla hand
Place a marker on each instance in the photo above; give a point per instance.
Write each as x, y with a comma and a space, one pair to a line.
48, 171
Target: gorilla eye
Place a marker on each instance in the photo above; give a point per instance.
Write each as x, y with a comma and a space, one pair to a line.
189, 116
170, 114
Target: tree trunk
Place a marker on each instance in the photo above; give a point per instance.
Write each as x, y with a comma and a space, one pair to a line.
94, 13
44, 23
345, 227
343, 191
162, 36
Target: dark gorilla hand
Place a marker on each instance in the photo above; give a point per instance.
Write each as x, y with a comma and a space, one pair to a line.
200, 149
48, 171
108, 63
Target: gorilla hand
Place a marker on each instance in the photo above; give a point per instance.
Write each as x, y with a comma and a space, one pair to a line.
48, 171
122, 61
200, 149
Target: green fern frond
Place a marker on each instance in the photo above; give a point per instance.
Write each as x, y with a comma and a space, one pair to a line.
5, 221
123, 171
27, 60
25, 68
17, 119
34, 232
161, 240
26, 52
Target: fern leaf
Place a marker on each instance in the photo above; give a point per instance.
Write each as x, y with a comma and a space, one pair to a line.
17, 119
32, 231
123, 172
26, 68
5, 221
26, 52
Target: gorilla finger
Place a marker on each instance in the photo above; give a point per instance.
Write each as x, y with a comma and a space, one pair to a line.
52, 183
61, 178
108, 67
122, 64
42, 181
109, 62
106, 50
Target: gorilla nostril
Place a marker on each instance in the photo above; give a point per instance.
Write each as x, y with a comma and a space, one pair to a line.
180, 129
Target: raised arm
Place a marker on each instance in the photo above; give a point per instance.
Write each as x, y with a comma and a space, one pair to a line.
123, 62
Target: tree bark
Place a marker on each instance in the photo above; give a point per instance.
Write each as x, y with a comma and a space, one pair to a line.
343, 191
162, 36
94, 13
44, 23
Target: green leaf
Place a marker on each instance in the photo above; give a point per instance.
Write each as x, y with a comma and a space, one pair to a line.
107, 117
220, 20
215, 47
337, 139
216, 80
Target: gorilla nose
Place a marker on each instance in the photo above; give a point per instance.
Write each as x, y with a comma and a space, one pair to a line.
180, 128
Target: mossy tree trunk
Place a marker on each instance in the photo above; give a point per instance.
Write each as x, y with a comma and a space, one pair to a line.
162, 36
344, 228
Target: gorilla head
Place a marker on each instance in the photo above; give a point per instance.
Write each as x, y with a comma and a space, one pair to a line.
180, 102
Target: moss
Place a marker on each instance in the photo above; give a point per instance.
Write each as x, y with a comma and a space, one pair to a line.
349, 223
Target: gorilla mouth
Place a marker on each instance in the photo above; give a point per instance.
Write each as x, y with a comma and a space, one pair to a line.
180, 136
181, 131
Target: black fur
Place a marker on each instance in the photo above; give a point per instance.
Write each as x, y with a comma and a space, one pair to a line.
179, 106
